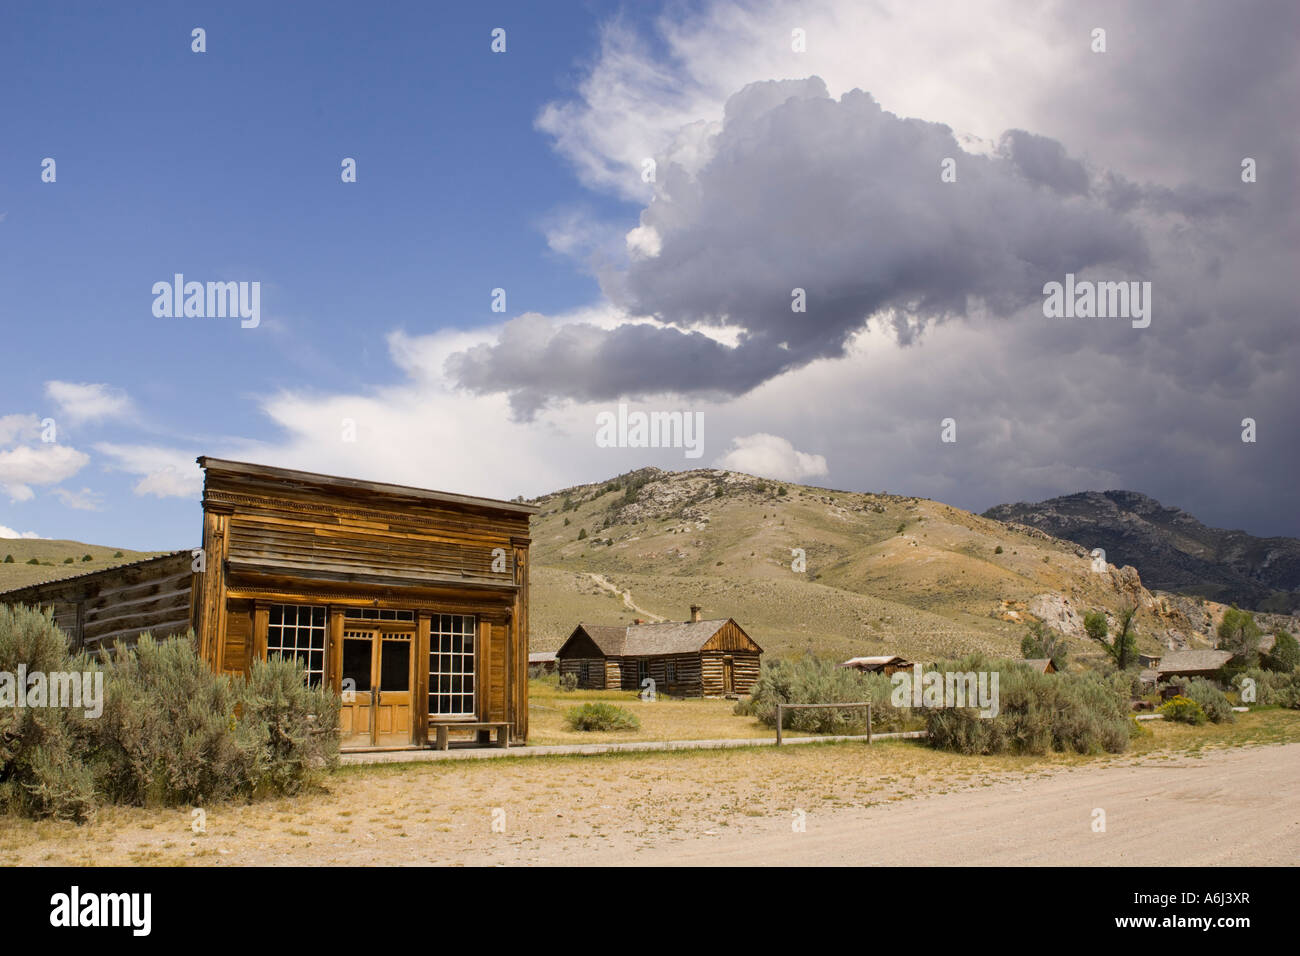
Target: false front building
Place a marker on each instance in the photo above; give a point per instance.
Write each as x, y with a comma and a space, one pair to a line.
411, 604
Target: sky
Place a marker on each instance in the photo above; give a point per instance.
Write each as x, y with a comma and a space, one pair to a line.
824, 231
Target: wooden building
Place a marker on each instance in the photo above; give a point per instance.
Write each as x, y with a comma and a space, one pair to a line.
691, 658
1197, 663
1043, 665
886, 664
412, 604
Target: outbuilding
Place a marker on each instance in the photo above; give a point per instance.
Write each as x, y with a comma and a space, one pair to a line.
692, 658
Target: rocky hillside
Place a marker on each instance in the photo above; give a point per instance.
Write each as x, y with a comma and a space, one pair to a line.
1172, 550
880, 573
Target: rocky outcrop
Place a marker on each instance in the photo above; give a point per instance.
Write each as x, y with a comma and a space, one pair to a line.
1172, 549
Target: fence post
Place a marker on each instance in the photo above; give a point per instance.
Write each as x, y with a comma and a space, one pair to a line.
778, 725
868, 723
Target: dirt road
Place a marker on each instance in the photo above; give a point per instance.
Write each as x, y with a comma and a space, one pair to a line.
1239, 807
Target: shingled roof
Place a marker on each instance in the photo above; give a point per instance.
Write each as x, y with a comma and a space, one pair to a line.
1181, 662
669, 637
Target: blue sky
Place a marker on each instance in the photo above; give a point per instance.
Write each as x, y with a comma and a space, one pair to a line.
522, 170
226, 165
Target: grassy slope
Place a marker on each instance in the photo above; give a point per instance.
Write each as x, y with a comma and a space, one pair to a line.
935, 588
51, 554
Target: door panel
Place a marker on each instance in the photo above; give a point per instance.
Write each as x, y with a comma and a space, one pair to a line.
356, 711
393, 708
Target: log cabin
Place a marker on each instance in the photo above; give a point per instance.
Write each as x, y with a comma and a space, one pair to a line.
692, 658
411, 604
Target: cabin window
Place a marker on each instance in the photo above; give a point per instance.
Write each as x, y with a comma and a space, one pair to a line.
297, 632
642, 670
451, 665
670, 672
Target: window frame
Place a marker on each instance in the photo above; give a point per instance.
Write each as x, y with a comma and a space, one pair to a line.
315, 677
468, 671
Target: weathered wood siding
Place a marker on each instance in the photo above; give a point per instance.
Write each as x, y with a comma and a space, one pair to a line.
99, 609
279, 537
744, 670
687, 676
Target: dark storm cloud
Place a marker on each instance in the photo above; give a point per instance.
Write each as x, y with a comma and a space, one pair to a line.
841, 199
1043, 160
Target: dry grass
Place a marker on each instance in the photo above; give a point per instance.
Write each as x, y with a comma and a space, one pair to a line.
444, 812
662, 719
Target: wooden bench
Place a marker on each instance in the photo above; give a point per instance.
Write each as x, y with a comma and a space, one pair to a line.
483, 727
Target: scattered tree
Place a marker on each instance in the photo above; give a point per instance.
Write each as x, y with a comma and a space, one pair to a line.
1123, 649
1043, 641
1239, 633
1285, 655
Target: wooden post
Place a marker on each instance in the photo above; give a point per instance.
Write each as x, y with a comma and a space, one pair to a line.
868, 723
778, 725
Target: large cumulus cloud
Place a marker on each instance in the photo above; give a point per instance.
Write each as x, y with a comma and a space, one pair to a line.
841, 199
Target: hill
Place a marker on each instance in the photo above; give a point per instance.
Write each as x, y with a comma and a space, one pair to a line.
52, 557
1173, 550
884, 573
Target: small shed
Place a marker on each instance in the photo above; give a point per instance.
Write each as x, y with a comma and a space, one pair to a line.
545, 660
882, 664
692, 658
1043, 665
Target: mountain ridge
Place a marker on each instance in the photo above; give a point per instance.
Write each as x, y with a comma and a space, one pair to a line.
1173, 549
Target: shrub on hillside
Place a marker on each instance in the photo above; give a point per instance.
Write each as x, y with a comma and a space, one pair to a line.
1183, 709
1036, 713
600, 716
813, 680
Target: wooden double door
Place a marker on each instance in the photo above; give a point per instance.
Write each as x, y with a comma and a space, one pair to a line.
378, 676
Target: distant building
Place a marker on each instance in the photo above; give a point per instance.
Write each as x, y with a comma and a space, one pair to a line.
684, 658
884, 664
1204, 663
546, 660
1043, 665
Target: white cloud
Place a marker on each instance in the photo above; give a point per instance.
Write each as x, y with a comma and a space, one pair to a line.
771, 456
83, 500
644, 241
16, 428
164, 472
6, 532
44, 464
88, 402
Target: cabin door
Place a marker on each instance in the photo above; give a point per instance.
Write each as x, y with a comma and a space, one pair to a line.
728, 676
376, 709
